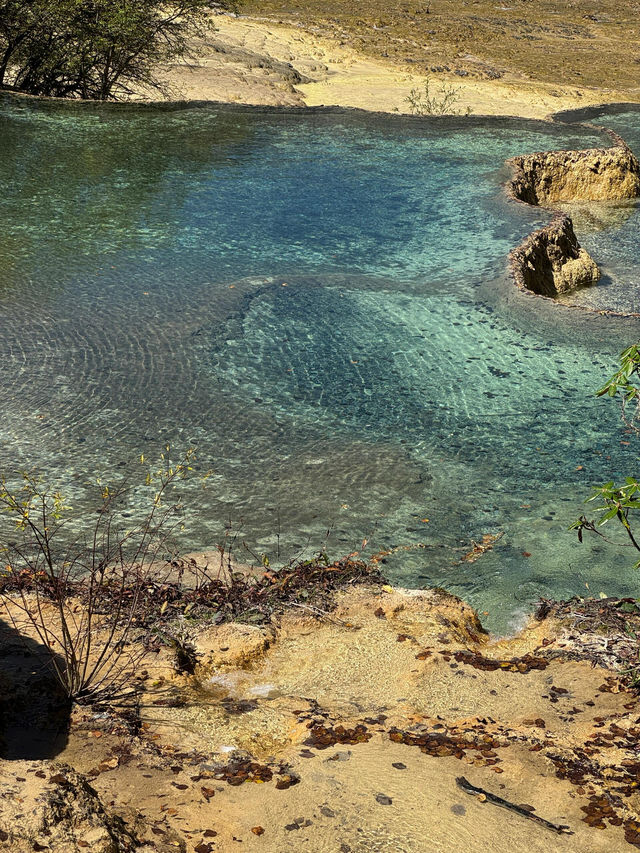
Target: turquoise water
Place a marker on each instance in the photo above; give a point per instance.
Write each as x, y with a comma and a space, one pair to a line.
317, 302
609, 231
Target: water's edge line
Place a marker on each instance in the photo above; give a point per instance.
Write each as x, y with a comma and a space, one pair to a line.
577, 118
445, 121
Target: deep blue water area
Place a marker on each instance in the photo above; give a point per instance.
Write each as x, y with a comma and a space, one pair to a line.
317, 301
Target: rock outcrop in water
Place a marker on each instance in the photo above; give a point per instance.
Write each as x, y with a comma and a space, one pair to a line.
595, 174
551, 261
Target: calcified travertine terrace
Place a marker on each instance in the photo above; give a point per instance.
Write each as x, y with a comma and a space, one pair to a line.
551, 261
347, 731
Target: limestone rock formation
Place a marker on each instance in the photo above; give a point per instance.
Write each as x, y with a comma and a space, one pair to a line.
595, 174
551, 261
51, 807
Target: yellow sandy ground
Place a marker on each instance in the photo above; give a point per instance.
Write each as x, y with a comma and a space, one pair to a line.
250, 70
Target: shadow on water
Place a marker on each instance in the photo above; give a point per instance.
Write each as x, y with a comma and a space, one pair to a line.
34, 711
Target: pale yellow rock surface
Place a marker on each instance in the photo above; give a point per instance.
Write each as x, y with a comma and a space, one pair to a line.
594, 174
255, 61
233, 645
52, 807
337, 701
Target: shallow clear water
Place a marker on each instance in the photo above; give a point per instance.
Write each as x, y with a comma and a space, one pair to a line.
609, 230
317, 301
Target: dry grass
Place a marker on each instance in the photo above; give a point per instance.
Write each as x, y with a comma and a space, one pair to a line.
582, 43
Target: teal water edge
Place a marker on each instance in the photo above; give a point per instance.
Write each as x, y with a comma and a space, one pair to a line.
316, 300
609, 230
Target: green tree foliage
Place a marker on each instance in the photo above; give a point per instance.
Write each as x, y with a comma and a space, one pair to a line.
619, 503
101, 49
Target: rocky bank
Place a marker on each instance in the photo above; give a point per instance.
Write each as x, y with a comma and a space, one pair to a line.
346, 729
279, 60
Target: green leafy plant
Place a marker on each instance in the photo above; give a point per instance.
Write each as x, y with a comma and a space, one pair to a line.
618, 502
102, 49
430, 102
81, 597
613, 501
621, 385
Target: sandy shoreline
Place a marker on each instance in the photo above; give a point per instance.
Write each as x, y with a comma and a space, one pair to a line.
258, 61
